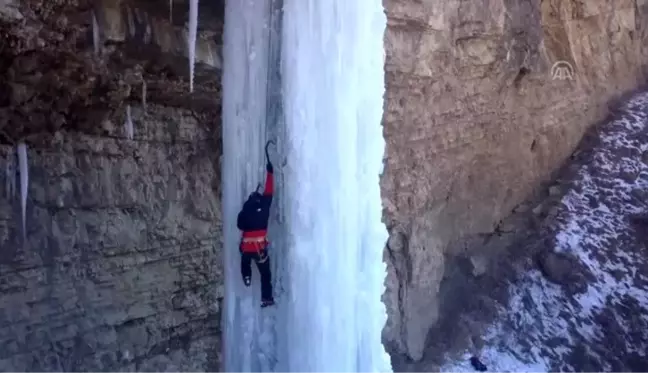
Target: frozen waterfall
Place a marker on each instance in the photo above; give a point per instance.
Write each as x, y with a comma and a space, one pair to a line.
327, 59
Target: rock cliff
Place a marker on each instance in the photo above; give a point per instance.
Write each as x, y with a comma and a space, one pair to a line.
122, 268
475, 117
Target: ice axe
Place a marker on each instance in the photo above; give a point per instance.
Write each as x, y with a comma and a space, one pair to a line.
266, 150
285, 160
267, 160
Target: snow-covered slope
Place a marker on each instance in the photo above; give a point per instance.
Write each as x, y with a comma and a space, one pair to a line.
599, 321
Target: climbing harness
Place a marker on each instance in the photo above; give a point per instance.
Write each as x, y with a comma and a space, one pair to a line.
262, 258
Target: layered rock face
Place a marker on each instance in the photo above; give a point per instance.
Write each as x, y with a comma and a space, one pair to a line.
67, 64
121, 268
479, 109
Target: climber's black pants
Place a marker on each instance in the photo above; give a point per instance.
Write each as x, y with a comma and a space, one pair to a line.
262, 261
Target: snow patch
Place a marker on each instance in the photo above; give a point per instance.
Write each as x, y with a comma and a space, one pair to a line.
498, 360
543, 326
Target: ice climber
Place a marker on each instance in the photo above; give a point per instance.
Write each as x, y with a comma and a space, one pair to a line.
253, 222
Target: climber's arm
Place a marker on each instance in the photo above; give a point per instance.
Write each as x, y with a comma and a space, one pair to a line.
269, 183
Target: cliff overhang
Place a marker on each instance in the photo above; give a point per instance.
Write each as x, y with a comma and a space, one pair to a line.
69, 64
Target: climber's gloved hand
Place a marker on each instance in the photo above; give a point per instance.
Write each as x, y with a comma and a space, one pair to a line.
269, 167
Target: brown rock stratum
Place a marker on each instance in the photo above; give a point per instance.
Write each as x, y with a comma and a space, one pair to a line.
122, 268
474, 120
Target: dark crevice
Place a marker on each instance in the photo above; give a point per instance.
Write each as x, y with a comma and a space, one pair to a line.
524, 71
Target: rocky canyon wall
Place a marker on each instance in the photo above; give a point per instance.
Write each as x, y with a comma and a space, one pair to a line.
122, 265
121, 268
475, 118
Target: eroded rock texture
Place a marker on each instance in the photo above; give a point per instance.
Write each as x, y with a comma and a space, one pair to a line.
60, 72
121, 268
122, 264
474, 119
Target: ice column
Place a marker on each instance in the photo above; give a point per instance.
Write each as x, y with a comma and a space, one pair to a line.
333, 75
191, 40
23, 166
248, 343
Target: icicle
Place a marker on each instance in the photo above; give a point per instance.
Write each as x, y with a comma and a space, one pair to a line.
24, 181
171, 11
193, 31
10, 176
144, 94
95, 33
7, 177
128, 124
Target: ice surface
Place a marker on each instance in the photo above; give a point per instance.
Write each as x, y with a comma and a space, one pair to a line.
128, 123
24, 183
95, 34
333, 63
144, 95
191, 39
247, 94
10, 176
326, 230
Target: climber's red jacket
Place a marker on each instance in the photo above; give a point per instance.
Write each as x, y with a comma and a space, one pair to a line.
253, 218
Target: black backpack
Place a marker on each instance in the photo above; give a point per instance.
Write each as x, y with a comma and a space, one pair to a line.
254, 214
